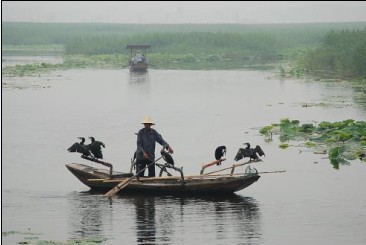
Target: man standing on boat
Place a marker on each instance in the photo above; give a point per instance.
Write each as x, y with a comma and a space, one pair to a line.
139, 58
146, 141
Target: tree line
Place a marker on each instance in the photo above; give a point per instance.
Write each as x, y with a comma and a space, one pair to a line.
334, 47
342, 53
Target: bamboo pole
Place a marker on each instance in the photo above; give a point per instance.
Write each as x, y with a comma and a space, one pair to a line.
233, 166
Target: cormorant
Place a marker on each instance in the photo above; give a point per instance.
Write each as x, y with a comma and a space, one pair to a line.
167, 157
96, 148
252, 153
220, 152
80, 147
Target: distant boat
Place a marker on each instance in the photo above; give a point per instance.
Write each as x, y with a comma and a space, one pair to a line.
138, 60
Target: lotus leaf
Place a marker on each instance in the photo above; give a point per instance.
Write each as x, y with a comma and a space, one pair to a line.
344, 140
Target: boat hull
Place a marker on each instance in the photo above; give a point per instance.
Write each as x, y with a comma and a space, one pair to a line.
97, 180
139, 67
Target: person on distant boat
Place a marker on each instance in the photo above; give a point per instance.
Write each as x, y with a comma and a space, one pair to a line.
146, 141
133, 59
139, 57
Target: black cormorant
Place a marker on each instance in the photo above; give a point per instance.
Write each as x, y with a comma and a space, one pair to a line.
167, 157
252, 153
96, 148
80, 147
220, 152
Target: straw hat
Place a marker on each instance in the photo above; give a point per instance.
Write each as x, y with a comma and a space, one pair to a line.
148, 120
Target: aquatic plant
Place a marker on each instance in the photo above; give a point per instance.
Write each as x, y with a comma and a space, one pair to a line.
343, 141
85, 241
33, 238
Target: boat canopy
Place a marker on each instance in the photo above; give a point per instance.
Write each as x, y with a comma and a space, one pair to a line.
138, 46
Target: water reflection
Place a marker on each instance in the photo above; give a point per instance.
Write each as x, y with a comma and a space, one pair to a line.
145, 220
86, 215
163, 219
235, 217
359, 95
136, 77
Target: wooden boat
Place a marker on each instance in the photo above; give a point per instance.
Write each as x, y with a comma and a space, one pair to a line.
138, 64
104, 180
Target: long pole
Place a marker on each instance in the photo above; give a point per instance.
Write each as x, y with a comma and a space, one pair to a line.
234, 166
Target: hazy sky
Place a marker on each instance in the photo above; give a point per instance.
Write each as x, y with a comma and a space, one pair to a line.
184, 11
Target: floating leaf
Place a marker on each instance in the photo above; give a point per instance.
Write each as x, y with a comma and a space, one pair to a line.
335, 152
344, 140
265, 129
310, 144
283, 146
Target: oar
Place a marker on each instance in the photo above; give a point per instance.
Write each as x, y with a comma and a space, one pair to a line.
125, 183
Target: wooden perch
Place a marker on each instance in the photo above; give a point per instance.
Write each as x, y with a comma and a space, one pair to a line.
216, 162
100, 162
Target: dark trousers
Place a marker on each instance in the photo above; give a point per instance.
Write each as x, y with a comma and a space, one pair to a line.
142, 164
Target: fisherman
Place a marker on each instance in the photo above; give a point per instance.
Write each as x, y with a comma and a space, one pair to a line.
138, 58
146, 141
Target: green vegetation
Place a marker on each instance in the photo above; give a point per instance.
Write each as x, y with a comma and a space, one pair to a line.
342, 54
337, 48
50, 49
17, 33
33, 238
69, 62
345, 140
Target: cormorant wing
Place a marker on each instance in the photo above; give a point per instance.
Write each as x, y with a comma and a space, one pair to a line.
239, 155
95, 150
99, 143
98, 154
259, 150
76, 147
85, 150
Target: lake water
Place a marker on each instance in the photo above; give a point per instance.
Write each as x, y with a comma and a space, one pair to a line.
195, 111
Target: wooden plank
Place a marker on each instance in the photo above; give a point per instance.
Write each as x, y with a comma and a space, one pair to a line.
154, 179
192, 177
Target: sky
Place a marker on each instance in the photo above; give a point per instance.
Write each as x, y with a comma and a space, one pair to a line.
190, 12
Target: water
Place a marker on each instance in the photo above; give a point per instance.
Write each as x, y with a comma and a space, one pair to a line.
195, 111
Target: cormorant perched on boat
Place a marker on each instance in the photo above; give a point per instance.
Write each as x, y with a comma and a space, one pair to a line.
252, 153
80, 147
220, 152
167, 157
96, 148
